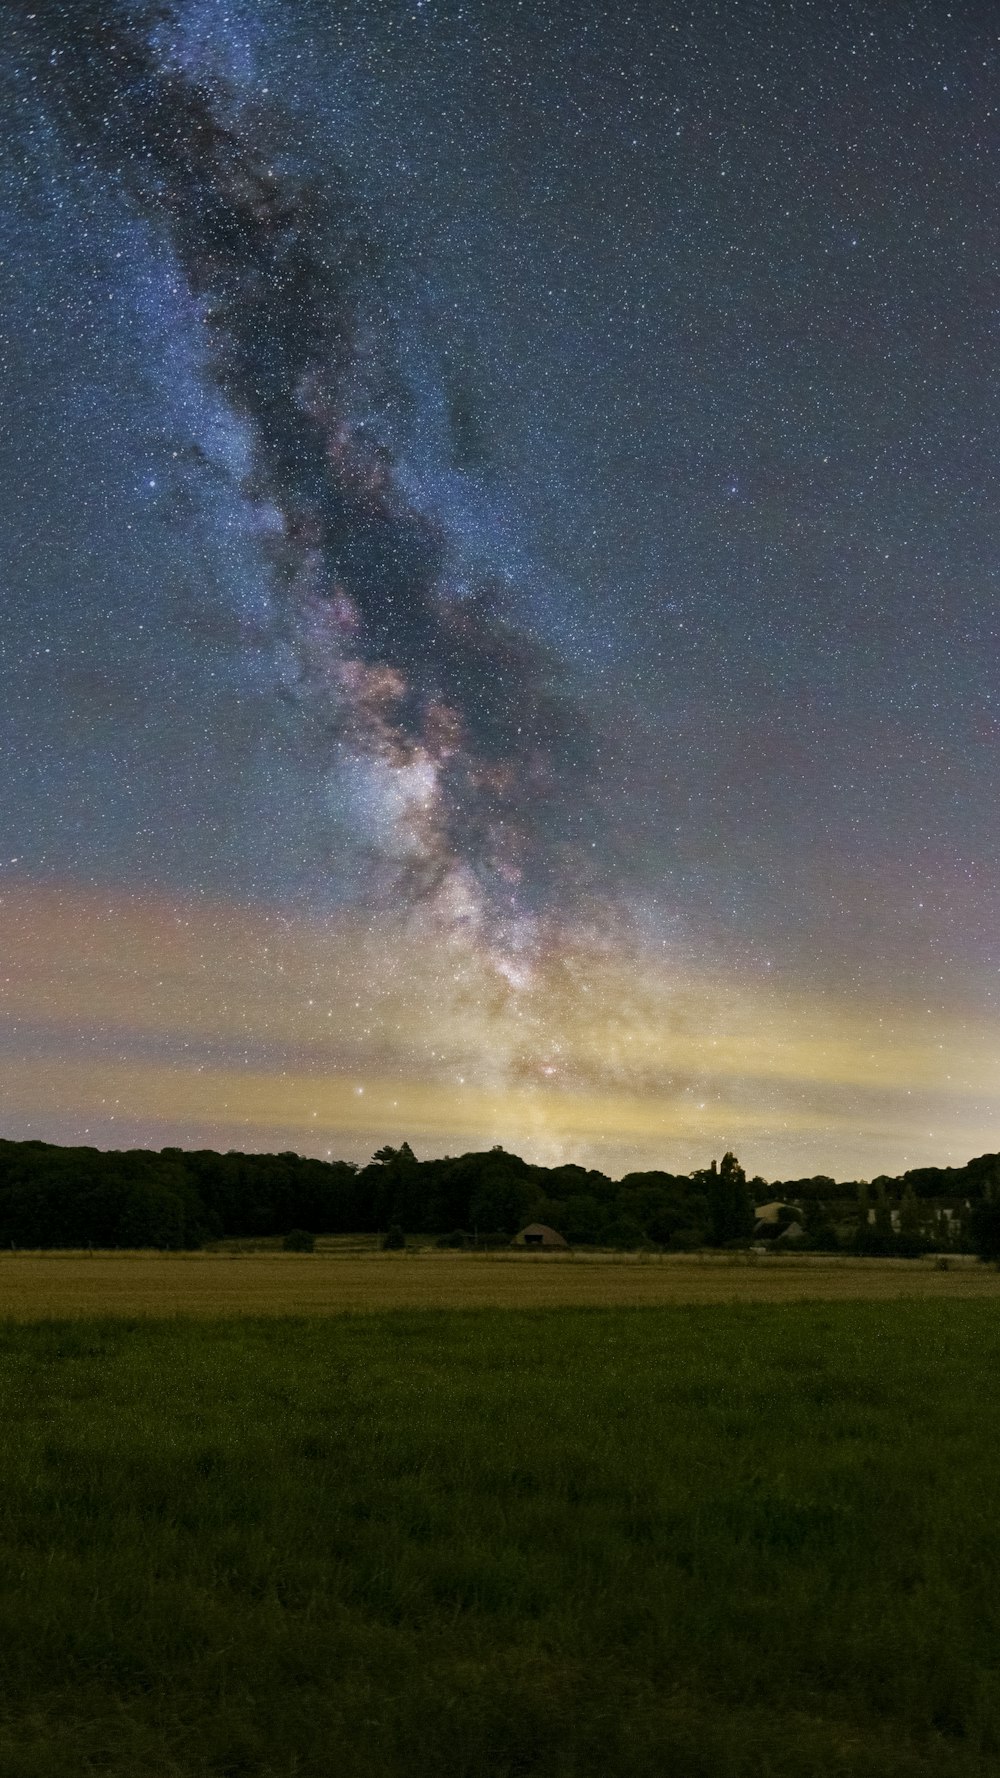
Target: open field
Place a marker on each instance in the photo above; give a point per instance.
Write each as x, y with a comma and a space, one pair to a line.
341, 1279
753, 1541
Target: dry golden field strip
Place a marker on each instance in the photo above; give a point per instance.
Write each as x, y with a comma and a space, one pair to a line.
37, 1286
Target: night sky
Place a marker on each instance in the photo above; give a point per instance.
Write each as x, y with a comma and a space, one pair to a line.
499, 564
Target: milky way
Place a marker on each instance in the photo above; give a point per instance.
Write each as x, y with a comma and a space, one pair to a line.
393, 658
499, 513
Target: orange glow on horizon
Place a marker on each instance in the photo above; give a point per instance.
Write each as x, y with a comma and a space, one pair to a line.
209, 1024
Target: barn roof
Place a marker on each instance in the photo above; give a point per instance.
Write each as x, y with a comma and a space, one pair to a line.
541, 1232
771, 1212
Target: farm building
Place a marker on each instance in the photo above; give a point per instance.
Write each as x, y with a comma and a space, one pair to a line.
778, 1222
788, 1237
771, 1213
538, 1234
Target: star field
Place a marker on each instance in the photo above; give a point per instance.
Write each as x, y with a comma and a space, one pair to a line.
500, 513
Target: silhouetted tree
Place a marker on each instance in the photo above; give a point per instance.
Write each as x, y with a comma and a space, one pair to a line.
730, 1208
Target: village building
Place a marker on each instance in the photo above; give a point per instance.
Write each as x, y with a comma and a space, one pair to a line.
777, 1221
538, 1234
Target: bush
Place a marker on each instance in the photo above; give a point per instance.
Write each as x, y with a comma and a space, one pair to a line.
910, 1244
393, 1238
871, 1242
457, 1238
299, 1241
686, 1240
624, 1233
151, 1216
824, 1238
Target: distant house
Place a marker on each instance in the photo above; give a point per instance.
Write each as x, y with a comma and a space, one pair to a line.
788, 1237
538, 1234
775, 1221
772, 1212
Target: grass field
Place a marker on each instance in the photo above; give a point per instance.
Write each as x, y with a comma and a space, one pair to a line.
746, 1541
341, 1278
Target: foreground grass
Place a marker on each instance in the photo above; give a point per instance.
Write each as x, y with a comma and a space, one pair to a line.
47, 1285
718, 1542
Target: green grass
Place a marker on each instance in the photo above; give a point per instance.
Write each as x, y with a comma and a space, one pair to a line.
703, 1542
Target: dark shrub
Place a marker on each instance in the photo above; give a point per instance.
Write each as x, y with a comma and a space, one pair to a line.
824, 1238
299, 1241
910, 1244
393, 1238
624, 1233
687, 1240
870, 1241
457, 1238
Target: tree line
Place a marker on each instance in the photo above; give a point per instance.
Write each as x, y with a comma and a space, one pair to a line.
175, 1198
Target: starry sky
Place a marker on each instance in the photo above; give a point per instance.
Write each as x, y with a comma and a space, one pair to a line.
499, 570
